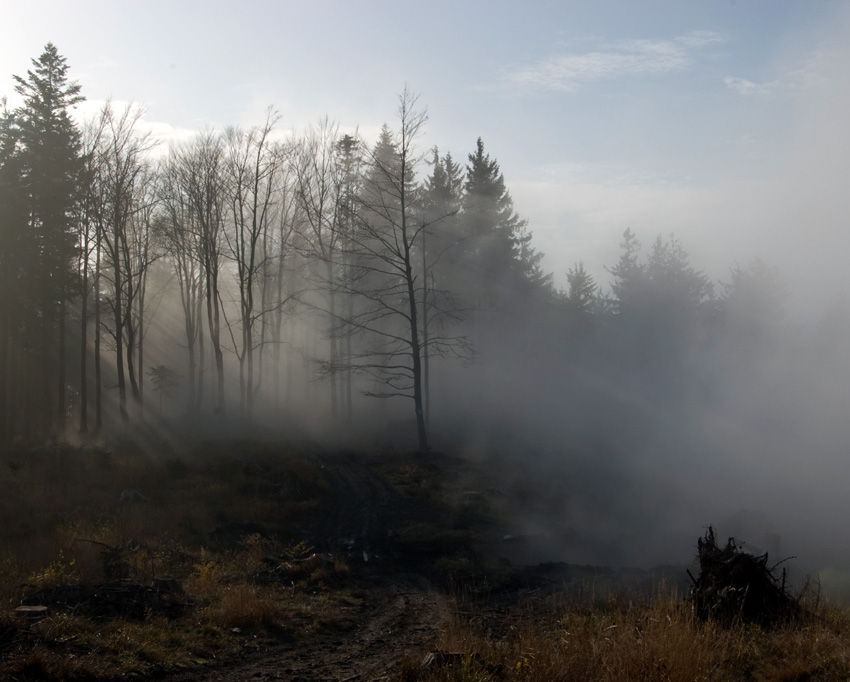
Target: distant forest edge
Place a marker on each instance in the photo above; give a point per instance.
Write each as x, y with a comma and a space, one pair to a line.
244, 275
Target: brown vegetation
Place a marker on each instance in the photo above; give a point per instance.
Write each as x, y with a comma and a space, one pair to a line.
150, 564
614, 638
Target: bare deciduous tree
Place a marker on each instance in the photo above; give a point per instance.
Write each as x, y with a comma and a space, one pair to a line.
388, 282
201, 168
123, 174
252, 166
180, 235
318, 183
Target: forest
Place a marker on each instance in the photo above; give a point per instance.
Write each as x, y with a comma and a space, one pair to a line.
331, 286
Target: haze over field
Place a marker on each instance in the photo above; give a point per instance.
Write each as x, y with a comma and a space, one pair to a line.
625, 263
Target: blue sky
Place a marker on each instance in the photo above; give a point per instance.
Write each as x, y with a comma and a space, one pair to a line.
722, 121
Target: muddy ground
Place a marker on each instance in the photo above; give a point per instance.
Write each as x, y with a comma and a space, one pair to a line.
423, 538
400, 617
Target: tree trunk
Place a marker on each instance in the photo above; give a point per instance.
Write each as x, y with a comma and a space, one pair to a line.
84, 342
47, 424
119, 336
214, 320
141, 308
332, 351
199, 320
425, 359
98, 382
349, 375
5, 422
131, 363
415, 348
62, 383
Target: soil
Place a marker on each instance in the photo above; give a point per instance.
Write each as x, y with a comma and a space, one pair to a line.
403, 608
423, 538
405, 603
401, 617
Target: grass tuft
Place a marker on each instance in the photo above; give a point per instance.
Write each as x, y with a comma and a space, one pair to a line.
613, 639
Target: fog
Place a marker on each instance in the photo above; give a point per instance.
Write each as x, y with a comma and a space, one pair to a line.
637, 438
696, 373
770, 191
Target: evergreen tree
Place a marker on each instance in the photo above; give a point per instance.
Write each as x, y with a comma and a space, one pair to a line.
440, 199
442, 196
17, 264
752, 308
675, 285
443, 191
503, 264
629, 276
350, 165
50, 164
583, 293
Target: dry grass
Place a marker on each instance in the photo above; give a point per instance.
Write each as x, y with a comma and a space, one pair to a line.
62, 523
60, 511
245, 606
614, 640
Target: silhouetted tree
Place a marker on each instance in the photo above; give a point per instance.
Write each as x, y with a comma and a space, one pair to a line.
91, 221
252, 164
675, 286
583, 293
350, 164
144, 252
319, 179
164, 380
663, 295
629, 276
180, 236
502, 264
125, 176
50, 164
201, 170
388, 281
441, 254
279, 275
18, 262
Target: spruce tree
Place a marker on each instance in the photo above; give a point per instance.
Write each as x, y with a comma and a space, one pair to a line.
504, 266
17, 263
50, 164
583, 294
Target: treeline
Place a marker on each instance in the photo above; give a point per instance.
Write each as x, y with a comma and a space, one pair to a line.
316, 260
256, 232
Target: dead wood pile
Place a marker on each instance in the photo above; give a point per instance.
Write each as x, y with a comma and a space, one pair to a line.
735, 586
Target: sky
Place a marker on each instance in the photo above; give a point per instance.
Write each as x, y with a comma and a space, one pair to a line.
724, 122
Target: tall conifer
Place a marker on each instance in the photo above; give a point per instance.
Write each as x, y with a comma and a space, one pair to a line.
50, 164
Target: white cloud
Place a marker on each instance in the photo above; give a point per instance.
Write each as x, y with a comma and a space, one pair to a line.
568, 72
810, 74
160, 132
746, 87
165, 133
701, 39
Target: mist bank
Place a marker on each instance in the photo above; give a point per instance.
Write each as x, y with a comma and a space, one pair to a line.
634, 415
351, 293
